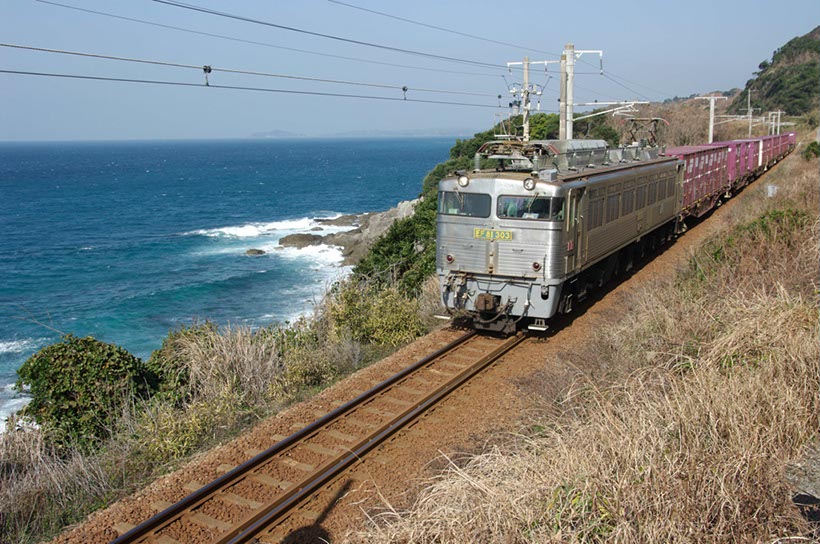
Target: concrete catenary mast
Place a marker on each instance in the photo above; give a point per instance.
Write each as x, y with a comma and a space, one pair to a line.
711, 100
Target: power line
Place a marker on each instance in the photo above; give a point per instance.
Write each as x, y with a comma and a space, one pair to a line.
451, 31
625, 87
264, 44
448, 30
297, 50
241, 88
209, 69
317, 53
201, 9
640, 85
610, 75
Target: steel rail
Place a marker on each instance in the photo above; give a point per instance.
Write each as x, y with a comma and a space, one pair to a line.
247, 531
176, 510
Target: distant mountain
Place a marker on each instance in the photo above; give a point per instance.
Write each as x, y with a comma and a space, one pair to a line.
789, 81
277, 134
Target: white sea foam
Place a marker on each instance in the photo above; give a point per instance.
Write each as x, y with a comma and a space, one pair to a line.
19, 346
320, 254
11, 401
253, 230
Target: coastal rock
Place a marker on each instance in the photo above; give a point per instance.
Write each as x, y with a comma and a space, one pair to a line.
301, 240
355, 243
254, 252
341, 221
316, 229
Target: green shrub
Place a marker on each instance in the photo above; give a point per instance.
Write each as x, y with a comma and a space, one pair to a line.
812, 151
79, 387
374, 315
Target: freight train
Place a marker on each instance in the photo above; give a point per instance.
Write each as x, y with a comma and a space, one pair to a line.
546, 222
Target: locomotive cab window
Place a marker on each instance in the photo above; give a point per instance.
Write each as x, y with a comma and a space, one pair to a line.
464, 204
531, 207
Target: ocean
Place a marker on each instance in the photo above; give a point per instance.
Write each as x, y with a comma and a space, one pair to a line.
124, 241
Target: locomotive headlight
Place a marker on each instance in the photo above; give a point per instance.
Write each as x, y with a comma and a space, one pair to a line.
536, 266
529, 184
449, 258
463, 181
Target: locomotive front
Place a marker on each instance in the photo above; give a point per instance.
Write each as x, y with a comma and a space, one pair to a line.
501, 247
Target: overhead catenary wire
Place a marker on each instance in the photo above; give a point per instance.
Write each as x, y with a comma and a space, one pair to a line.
243, 88
243, 18
298, 50
448, 30
641, 85
609, 77
264, 44
458, 33
210, 69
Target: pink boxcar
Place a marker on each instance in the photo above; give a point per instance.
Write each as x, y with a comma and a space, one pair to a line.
740, 161
705, 176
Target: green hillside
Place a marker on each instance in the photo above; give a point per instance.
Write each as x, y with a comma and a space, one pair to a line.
788, 82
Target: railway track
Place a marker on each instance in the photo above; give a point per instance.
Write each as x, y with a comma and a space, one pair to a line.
253, 498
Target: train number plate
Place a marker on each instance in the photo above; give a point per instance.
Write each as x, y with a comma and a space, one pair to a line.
487, 234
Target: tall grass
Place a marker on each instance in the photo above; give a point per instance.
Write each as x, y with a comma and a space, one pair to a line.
682, 414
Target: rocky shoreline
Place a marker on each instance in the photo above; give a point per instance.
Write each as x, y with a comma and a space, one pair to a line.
355, 242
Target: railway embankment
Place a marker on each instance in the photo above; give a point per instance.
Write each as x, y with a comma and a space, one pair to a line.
214, 383
688, 413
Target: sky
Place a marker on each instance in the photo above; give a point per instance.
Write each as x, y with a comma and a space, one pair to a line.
653, 50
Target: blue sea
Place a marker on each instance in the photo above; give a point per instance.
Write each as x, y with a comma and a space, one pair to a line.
126, 240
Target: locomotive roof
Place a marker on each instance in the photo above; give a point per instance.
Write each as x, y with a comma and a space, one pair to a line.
566, 177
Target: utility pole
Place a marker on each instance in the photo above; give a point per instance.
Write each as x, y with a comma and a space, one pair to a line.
572, 55
562, 106
749, 110
525, 97
776, 124
569, 63
711, 100
526, 91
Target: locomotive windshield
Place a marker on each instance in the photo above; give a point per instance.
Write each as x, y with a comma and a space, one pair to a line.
531, 207
466, 204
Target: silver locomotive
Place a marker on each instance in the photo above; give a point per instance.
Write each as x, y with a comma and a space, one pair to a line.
553, 220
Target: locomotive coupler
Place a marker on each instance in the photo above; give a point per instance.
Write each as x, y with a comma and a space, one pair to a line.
485, 302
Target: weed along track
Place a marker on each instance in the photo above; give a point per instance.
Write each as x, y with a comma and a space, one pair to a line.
252, 501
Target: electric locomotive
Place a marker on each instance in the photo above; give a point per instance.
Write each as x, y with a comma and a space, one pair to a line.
549, 221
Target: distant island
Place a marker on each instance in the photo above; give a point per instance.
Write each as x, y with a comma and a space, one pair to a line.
278, 134
371, 133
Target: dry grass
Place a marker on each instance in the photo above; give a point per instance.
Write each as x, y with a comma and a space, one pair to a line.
716, 389
429, 300
41, 492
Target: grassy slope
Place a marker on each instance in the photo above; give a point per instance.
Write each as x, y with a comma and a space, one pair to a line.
712, 389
